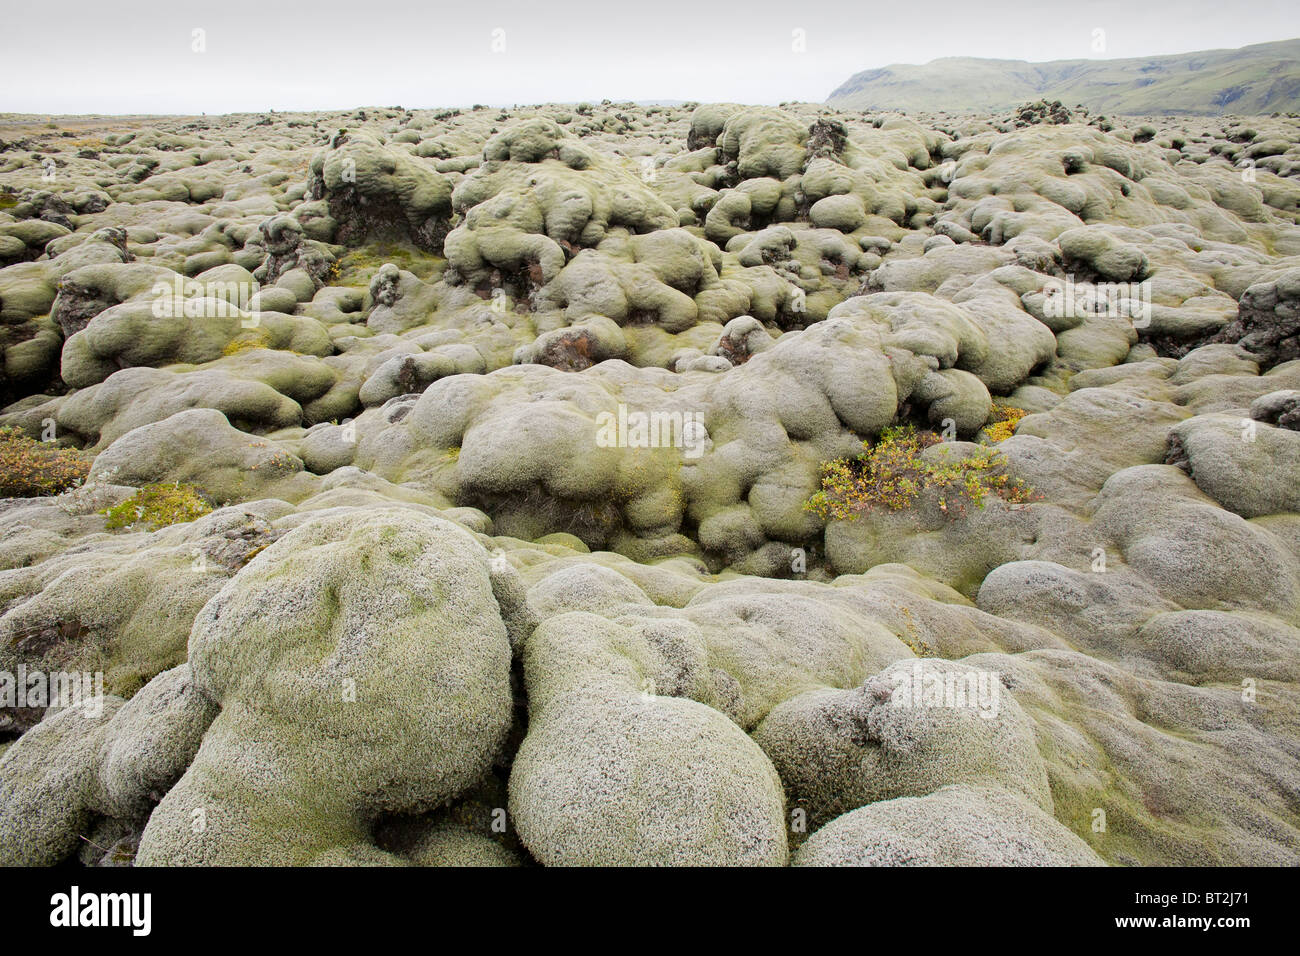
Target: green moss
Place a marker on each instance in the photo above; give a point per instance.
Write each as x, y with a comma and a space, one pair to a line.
159, 506
257, 339
360, 264
8, 200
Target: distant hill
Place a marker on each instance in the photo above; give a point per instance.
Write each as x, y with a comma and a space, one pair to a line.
1263, 78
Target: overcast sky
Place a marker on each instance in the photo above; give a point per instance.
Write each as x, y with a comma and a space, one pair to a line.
77, 56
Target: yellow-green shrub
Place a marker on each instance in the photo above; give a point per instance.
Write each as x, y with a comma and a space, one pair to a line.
1002, 422
892, 474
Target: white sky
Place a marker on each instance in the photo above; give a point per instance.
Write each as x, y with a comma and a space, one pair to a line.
97, 56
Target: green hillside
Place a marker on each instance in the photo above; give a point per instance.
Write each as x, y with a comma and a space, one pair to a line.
1263, 78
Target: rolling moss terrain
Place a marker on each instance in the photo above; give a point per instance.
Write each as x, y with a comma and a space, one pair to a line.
615, 484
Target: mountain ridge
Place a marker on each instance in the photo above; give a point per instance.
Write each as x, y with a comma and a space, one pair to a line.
1260, 78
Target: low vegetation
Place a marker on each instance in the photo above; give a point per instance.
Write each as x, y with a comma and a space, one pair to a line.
1002, 422
158, 506
892, 474
34, 469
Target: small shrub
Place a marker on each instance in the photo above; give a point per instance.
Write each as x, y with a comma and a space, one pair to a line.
891, 474
158, 506
34, 469
1002, 422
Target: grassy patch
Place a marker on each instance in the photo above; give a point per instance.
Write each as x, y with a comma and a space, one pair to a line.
358, 266
33, 469
158, 506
